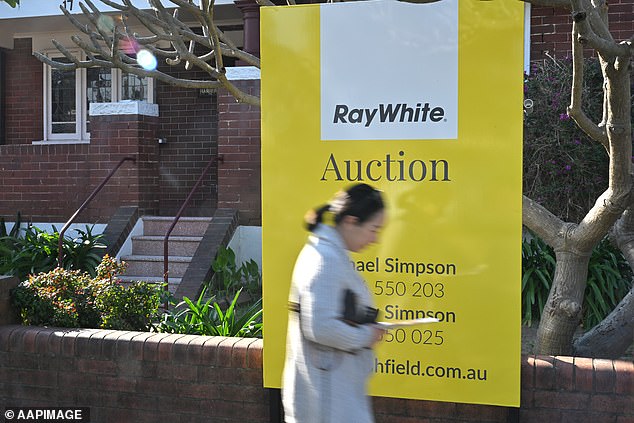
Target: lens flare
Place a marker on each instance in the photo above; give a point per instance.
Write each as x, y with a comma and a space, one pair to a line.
146, 60
105, 23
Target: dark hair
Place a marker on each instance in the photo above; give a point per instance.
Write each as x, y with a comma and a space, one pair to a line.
360, 200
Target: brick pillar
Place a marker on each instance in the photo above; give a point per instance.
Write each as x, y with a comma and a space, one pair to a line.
251, 16
127, 129
239, 142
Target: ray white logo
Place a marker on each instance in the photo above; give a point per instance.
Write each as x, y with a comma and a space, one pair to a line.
388, 113
407, 88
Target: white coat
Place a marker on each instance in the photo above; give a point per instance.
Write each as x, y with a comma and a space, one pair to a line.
328, 361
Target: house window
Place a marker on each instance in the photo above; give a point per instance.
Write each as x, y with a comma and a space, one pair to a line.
133, 87
68, 95
98, 89
63, 101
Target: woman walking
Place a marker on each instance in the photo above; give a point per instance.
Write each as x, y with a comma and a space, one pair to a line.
331, 333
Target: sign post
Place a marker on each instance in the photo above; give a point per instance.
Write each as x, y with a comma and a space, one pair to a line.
423, 101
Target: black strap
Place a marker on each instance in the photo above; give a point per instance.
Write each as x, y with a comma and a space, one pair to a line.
293, 306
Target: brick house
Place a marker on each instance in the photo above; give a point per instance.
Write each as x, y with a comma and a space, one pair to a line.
53, 153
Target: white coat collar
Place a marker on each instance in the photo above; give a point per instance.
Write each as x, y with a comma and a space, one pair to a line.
328, 234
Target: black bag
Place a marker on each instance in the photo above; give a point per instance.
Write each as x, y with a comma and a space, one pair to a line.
354, 314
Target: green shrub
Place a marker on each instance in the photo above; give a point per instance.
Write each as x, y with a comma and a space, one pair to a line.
609, 280
538, 270
238, 311
229, 278
7, 243
129, 308
206, 317
57, 298
71, 298
30, 250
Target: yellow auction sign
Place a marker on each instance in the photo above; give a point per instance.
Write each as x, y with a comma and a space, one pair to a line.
423, 101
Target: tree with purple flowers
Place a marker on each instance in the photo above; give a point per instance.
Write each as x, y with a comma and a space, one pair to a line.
613, 210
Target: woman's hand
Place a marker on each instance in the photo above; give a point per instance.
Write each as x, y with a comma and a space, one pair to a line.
378, 335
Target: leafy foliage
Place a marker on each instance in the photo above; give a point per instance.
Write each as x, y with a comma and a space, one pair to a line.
232, 317
206, 317
538, 267
609, 280
72, 298
53, 298
29, 250
229, 277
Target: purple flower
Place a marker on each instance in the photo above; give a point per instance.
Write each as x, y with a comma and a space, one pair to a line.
564, 116
568, 168
577, 142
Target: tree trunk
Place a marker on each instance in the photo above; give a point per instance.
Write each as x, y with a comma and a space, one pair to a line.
562, 312
611, 337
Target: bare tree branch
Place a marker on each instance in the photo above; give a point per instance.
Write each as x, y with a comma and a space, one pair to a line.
106, 36
605, 47
598, 18
611, 204
574, 109
542, 222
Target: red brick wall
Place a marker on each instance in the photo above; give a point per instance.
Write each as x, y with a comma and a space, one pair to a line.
49, 182
550, 28
189, 124
147, 377
23, 101
239, 144
134, 376
114, 137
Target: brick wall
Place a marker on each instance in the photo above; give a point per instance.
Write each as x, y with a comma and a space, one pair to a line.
43, 181
551, 28
146, 377
239, 144
189, 124
49, 182
114, 137
23, 99
134, 376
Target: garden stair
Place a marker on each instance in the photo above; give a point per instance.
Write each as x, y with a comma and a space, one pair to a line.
146, 261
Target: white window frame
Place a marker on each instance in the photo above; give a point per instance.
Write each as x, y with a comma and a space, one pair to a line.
117, 87
48, 106
81, 135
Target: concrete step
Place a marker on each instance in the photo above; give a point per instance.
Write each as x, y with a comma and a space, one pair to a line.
172, 283
186, 226
152, 266
153, 245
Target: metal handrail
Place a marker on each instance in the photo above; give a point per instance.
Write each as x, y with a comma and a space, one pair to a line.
60, 252
220, 159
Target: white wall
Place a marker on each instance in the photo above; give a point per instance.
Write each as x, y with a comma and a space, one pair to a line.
97, 229
247, 244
